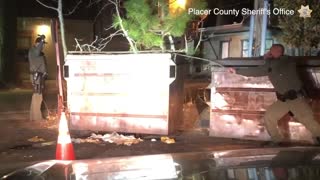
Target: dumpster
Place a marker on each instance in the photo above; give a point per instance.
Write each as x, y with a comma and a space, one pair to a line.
119, 92
238, 103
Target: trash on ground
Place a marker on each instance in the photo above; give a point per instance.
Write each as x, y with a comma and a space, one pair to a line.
167, 140
85, 140
118, 139
44, 144
153, 140
36, 139
96, 136
52, 117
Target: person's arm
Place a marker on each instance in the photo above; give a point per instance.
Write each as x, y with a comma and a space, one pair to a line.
253, 71
37, 49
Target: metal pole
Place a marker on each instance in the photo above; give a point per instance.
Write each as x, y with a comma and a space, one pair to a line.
55, 36
264, 28
251, 34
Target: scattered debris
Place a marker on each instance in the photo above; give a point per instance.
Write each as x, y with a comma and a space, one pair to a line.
36, 139
52, 117
30, 156
44, 144
86, 140
114, 137
53, 126
52, 121
167, 140
96, 136
118, 139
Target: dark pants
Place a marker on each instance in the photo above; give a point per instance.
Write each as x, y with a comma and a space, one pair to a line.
37, 79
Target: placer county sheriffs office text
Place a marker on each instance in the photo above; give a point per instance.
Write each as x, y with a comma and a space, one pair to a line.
243, 11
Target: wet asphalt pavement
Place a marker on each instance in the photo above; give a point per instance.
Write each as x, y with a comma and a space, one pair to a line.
17, 151
15, 104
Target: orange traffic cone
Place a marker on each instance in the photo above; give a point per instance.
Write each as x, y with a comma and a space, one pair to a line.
64, 146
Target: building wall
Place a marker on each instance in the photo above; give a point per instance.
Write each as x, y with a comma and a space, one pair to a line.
27, 31
234, 45
214, 50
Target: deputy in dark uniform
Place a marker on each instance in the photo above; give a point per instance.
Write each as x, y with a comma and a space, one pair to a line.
282, 73
38, 73
38, 66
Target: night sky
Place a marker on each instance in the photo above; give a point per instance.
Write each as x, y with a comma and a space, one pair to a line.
30, 8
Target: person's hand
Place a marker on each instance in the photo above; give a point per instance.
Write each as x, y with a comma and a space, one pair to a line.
231, 70
268, 55
42, 37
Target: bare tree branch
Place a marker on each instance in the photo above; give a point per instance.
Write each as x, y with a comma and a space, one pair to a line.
74, 8
87, 47
101, 10
62, 32
61, 22
97, 44
111, 27
47, 6
200, 37
78, 45
92, 2
104, 42
171, 42
130, 40
186, 44
100, 44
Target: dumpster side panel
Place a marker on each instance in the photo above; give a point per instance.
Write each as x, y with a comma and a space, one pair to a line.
123, 93
238, 104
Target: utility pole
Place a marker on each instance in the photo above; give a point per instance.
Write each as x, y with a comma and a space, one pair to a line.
264, 27
257, 27
251, 35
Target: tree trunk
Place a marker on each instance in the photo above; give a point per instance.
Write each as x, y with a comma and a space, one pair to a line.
61, 20
171, 43
131, 42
